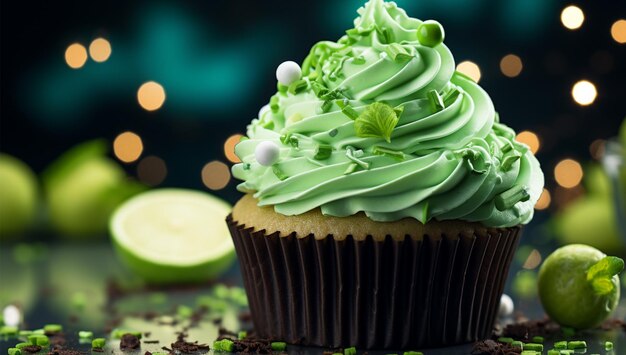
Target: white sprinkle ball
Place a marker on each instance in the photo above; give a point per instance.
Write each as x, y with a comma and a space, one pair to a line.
506, 306
11, 315
266, 153
288, 72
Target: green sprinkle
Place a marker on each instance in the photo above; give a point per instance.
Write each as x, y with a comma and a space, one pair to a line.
8, 330
246, 166
413, 353
399, 53
517, 344
436, 103
333, 132
52, 328
85, 334
242, 335
14, 351
533, 346
184, 311
298, 86
505, 340
274, 103
510, 197
349, 351
567, 352
351, 168
38, 331
337, 353
323, 152
346, 109
212, 303
385, 35
396, 154
288, 139
282, 88
377, 121
530, 352
279, 173
25, 333
425, 212
554, 352
538, 339
450, 97
568, 332
38, 339
223, 345
319, 89
577, 344
358, 60
278, 346
22, 345
118, 333
98, 343
560, 345
79, 300
268, 125
607, 345
327, 105
352, 155
509, 160
220, 290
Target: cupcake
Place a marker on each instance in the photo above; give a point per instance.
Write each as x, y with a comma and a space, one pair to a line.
383, 198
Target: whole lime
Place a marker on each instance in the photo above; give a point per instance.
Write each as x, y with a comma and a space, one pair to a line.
18, 196
578, 285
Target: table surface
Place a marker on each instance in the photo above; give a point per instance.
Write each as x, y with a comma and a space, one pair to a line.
45, 285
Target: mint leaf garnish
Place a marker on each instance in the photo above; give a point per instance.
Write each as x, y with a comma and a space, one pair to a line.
601, 273
377, 120
602, 286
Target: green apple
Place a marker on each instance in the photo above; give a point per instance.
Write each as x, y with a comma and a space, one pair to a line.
579, 285
18, 197
83, 187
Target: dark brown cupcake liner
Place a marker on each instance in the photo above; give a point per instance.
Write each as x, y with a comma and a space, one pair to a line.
392, 294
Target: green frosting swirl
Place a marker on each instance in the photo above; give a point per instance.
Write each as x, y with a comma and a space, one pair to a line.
447, 156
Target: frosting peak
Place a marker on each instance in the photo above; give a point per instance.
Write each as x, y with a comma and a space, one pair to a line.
380, 122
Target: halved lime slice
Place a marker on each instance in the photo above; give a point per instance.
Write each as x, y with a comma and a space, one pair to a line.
173, 235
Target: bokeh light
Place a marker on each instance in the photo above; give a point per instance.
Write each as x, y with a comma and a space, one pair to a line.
596, 148
100, 50
618, 31
76, 55
584, 92
470, 69
568, 173
127, 147
151, 95
215, 175
572, 17
511, 65
533, 260
530, 139
151, 170
544, 200
229, 148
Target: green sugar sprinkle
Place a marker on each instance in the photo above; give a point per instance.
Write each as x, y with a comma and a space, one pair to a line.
223, 345
118, 333
8, 330
85, 334
184, 311
14, 351
22, 345
385, 35
242, 335
530, 352
98, 343
450, 97
279, 173
509, 160
358, 60
333, 132
38, 339
323, 152
25, 333
560, 345
533, 346
554, 352
282, 88
274, 104
505, 340
436, 103
413, 353
349, 351
351, 168
38, 331
278, 345
52, 328
337, 353
318, 89
346, 109
399, 53
608, 345
298, 86
327, 105
510, 197
538, 339
396, 154
577, 344
517, 344
289, 139
352, 155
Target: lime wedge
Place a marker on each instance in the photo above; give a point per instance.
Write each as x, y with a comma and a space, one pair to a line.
173, 235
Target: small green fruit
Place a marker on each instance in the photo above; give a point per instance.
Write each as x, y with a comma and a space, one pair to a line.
430, 33
18, 197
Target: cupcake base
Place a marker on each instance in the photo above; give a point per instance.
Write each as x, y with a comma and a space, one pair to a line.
395, 293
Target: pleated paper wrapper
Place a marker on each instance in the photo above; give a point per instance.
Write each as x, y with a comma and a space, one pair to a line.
412, 293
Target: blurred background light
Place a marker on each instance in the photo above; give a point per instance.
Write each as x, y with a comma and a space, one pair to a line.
572, 17
596, 148
511, 65
152, 170
100, 50
127, 147
470, 69
568, 173
530, 139
584, 92
229, 148
215, 175
618, 31
533, 260
76, 55
151, 96
544, 200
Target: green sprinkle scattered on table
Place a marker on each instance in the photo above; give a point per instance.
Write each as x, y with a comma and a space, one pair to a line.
38, 339
537, 339
184, 311
118, 333
223, 345
608, 345
52, 328
554, 352
517, 344
98, 343
79, 300
25, 333
38, 331
278, 346
14, 351
8, 330
533, 347
505, 340
530, 352
337, 353
413, 353
560, 345
85, 334
242, 335
577, 344
22, 345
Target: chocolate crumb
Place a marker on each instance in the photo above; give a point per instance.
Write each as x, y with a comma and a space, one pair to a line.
245, 316
150, 341
98, 350
66, 352
185, 347
32, 348
129, 342
147, 353
490, 347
